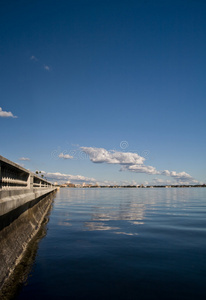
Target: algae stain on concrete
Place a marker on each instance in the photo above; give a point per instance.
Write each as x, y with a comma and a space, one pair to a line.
19, 245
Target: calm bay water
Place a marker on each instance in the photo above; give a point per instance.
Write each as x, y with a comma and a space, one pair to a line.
122, 244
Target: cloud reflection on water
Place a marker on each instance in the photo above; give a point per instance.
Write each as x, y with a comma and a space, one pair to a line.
126, 233
64, 223
115, 211
129, 211
91, 226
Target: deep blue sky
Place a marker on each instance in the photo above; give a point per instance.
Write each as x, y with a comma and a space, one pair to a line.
96, 73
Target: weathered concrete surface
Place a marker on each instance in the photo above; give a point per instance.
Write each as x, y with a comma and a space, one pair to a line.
15, 238
16, 202
11, 199
24, 200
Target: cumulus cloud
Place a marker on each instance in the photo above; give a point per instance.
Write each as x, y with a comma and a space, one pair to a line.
47, 68
68, 177
159, 181
65, 156
6, 114
132, 162
183, 176
162, 181
101, 155
24, 158
141, 169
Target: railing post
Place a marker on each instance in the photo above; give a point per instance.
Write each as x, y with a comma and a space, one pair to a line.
0, 176
31, 181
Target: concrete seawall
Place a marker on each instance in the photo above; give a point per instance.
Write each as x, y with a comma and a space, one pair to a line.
16, 202
25, 200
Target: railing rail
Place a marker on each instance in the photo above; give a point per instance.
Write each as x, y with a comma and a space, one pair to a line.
13, 176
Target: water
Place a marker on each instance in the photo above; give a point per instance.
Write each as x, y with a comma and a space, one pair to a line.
122, 244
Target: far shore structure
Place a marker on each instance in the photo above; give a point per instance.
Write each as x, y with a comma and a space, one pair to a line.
85, 185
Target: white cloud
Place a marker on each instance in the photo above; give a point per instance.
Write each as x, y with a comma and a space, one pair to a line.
67, 177
141, 169
24, 158
162, 181
33, 58
65, 156
6, 114
101, 155
179, 176
47, 68
132, 162
159, 181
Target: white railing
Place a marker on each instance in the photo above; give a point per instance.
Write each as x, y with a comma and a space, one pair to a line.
13, 176
13, 181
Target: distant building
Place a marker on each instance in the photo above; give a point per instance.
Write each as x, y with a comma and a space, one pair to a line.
63, 185
71, 185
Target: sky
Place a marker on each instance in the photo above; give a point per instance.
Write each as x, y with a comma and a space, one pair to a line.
102, 91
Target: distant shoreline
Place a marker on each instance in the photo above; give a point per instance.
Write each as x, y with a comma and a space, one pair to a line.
131, 186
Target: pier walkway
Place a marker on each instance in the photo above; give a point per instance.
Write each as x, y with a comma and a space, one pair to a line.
25, 200
19, 186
